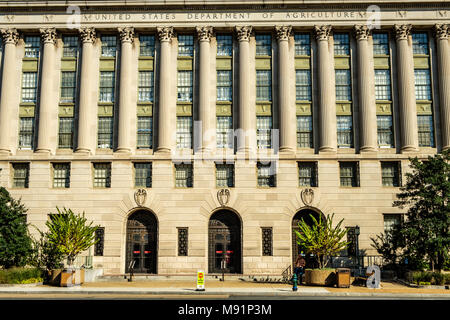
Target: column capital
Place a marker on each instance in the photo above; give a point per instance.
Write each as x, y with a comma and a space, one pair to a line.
88, 34
48, 35
10, 35
204, 33
283, 32
165, 33
244, 32
126, 34
441, 31
362, 32
322, 32
402, 31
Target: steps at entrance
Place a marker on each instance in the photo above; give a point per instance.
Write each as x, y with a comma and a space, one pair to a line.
189, 277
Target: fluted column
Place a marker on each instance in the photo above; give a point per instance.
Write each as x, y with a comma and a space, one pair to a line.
407, 97
245, 114
287, 110
327, 98
47, 108
442, 39
165, 137
126, 110
204, 37
86, 119
10, 39
366, 85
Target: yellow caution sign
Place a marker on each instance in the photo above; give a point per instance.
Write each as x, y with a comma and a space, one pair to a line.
200, 280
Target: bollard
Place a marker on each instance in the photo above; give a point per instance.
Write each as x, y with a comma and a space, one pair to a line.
294, 280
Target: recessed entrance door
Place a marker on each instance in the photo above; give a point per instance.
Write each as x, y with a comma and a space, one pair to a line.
224, 243
142, 242
296, 248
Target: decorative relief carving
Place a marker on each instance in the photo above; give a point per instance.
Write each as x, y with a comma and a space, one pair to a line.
48, 35
322, 32
87, 34
223, 196
165, 33
10, 35
140, 196
204, 33
362, 32
244, 32
402, 31
126, 34
283, 32
441, 31
307, 196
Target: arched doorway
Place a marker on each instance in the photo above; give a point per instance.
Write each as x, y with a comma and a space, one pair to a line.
142, 239
296, 248
224, 242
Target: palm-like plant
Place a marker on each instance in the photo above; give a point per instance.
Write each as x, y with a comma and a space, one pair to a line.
321, 239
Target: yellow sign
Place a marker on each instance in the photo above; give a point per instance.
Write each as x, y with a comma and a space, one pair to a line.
200, 280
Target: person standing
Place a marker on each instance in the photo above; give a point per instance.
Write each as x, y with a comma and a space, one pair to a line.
299, 269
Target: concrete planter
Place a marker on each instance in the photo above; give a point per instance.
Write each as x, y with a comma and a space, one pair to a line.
319, 277
90, 275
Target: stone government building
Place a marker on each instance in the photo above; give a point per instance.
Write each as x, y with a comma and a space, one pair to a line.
198, 133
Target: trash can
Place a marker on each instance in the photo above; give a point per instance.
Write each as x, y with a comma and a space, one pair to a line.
343, 278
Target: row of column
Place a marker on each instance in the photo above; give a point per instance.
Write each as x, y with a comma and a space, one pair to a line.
287, 110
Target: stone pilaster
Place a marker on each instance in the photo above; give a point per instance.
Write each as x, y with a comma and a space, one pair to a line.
327, 98
366, 85
407, 97
87, 121
10, 39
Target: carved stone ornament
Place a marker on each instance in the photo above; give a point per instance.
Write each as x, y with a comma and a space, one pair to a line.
322, 32
88, 34
10, 35
283, 32
126, 34
244, 32
204, 33
48, 35
441, 31
140, 196
165, 33
362, 32
223, 196
402, 31
307, 196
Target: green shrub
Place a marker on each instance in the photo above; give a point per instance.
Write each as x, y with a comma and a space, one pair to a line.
433, 278
438, 279
20, 275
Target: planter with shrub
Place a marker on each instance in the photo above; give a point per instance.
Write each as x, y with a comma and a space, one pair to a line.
21, 276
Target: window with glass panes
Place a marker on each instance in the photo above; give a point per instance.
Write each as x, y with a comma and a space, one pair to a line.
224, 45
32, 46
267, 241
184, 87
384, 131
264, 132
109, 46
26, 132
390, 174
144, 132
183, 242
425, 130
420, 42
263, 85
304, 132
343, 85
146, 45
422, 84
145, 86
266, 175
302, 44
225, 175
391, 220
183, 176
224, 85
349, 174
107, 83
21, 174
102, 175
65, 134
344, 131
263, 44
186, 45
380, 43
303, 85
29, 86
341, 44
382, 84
307, 174
70, 47
143, 174
184, 132
68, 84
105, 132
224, 132
61, 175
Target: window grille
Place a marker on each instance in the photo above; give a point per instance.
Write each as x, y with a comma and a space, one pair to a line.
65, 135
68, 84
382, 84
384, 130
21, 173
143, 175
266, 175
302, 44
422, 84
307, 174
145, 87
420, 43
263, 45
390, 221
105, 132
224, 135
61, 175
107, 82
184, 132
263, 85
380, 43
100, 241
32, 46
344, 131
349, 174
183, 176
186, 45
341, 44
390, 174
146, 45
29, 87
224, 85
70, 48
185, 86
144, 132
102, 175
26, 132
343, 85
109, 46
264, 132
225, 175
303, 85
182, 241
267, 241
224, 45
426, 131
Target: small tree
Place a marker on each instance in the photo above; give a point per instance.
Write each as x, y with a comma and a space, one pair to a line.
15, 241
321, 239
46, 255
70, 233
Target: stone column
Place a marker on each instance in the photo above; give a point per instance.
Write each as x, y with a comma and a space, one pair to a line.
10, 39
86, 114
245, 114
47, 95
287, 111
327, 98
407, 96
126, 110
442, 36
366, 85
204, 37
165, 136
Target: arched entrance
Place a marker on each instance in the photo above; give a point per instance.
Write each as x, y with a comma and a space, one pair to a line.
296, 248
224, 242
142, 239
